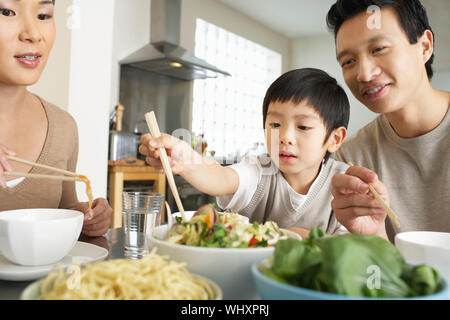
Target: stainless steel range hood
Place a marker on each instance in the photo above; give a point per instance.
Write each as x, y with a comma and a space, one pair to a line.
163, 55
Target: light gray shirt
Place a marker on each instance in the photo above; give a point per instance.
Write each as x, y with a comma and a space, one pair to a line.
264, 194
416, 172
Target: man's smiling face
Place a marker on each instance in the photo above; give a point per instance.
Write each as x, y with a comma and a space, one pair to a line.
380, 66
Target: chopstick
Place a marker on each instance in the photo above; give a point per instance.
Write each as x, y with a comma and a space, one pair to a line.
34, 164
154, 130
41, 176
386, 208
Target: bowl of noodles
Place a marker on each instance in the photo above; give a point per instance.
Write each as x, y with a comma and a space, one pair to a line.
154, 277
220, 246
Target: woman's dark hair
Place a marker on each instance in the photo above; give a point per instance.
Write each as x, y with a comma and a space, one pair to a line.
319, 89
413, 18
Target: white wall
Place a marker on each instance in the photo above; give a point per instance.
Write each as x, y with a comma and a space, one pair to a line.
441, 80
233, 21
319, 52
131, 32
90, 89
53, 85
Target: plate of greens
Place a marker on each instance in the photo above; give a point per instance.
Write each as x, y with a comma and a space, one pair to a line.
344, 267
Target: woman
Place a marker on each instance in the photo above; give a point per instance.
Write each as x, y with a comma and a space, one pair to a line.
32, 128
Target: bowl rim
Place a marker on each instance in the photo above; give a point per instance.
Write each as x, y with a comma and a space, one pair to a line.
10, 215
404, 237
257, 274
167, 244
35, 285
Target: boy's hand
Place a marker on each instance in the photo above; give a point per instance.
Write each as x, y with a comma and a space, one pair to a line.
180, 153
354, 205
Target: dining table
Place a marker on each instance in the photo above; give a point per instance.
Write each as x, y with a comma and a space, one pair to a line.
113, 241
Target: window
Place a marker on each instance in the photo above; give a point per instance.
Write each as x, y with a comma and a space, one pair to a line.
228, 110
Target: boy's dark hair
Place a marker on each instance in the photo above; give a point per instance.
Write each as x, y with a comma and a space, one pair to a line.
412, 15
320, 90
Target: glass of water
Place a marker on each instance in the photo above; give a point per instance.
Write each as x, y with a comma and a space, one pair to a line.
141, 213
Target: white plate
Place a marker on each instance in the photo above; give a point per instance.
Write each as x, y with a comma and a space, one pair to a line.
81, 252
33, 290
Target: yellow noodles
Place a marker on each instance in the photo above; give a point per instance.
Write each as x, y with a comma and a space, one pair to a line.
88, 193
151, 278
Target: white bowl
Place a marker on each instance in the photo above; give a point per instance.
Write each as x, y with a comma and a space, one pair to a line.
426, 247
230, 268
33, 237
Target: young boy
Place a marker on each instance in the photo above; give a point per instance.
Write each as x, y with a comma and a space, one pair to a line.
305, 115
387, 66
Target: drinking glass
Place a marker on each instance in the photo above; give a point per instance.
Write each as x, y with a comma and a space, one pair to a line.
141, 214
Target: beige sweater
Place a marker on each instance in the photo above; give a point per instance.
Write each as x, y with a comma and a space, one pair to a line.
416, 172
61, 151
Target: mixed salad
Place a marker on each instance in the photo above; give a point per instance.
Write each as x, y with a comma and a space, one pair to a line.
209, 228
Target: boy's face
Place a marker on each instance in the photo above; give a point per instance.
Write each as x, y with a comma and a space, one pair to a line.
27, 33
381, 68
295, 135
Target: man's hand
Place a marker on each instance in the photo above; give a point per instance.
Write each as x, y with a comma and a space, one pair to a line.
353, 204
304, 233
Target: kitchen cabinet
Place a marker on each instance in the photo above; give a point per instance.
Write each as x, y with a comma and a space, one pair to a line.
118, 174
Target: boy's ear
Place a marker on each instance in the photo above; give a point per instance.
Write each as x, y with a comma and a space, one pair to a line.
426, 45
336, 139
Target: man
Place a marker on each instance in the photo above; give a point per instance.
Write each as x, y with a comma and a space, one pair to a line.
385, 49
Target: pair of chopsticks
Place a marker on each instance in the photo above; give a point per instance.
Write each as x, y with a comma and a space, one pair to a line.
386, 208
72, 175
154, 130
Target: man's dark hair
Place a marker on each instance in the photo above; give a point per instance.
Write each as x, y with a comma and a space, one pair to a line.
316, 87
413, 18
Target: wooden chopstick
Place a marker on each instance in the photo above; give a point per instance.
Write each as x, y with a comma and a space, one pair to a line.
154, 130
41, 176
386, 208
34, 164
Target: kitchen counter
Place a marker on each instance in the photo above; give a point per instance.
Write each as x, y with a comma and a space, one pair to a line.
118, 174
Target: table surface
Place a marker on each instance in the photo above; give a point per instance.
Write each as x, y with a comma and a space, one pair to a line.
112, 241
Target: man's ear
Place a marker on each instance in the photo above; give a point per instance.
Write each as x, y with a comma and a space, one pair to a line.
336, 139
426, 42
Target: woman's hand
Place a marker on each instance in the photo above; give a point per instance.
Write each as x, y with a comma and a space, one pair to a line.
4, 164
354, 206
101, 220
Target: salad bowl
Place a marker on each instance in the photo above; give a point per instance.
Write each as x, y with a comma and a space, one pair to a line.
270, 289
349, 266
230, 268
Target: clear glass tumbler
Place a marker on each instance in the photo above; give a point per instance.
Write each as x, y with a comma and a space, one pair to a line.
141, 213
